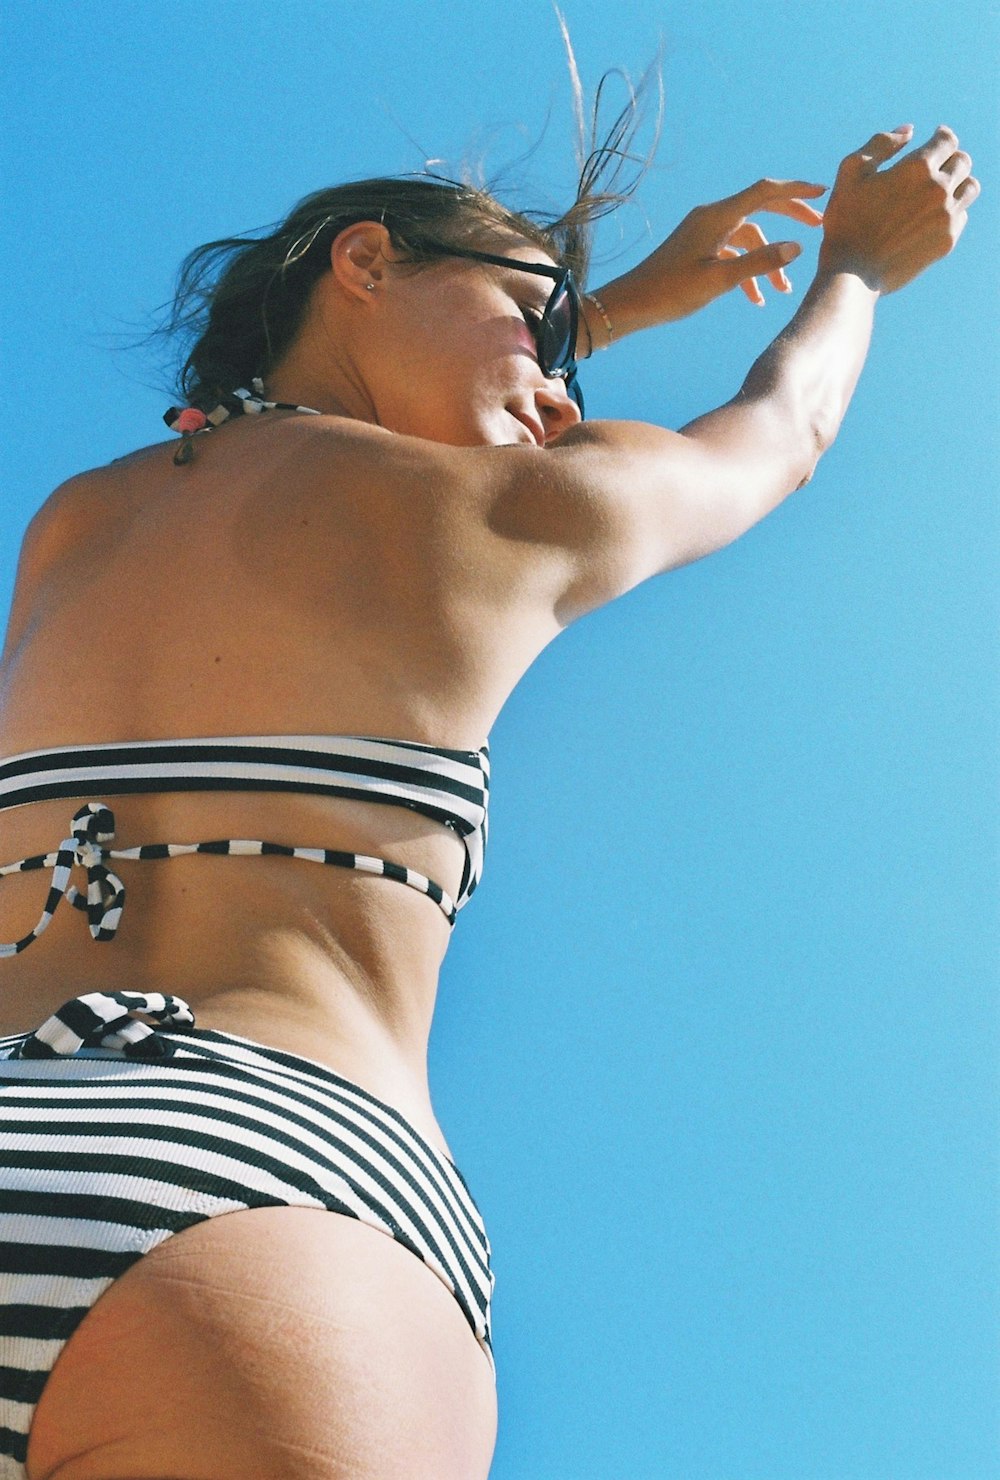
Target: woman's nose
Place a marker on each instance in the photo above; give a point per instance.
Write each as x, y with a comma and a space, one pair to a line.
556, 407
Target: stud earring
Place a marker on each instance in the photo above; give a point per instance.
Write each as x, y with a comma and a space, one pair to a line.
370, 287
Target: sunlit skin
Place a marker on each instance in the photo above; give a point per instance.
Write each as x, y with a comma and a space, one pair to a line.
444, 351
391, 568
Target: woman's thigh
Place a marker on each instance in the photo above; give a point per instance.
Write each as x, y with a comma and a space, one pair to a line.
286, 1343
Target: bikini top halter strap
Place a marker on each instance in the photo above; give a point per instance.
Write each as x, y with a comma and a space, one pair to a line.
192, 420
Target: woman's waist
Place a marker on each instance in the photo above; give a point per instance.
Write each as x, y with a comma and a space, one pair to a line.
348, 957
362, 826
164, 874
285, 983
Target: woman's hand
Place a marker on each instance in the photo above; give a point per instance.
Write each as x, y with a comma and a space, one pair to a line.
701, 260
887, 227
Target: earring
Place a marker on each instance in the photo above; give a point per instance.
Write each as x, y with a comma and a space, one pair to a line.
370, 287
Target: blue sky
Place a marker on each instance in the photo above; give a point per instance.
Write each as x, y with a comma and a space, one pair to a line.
717, 1044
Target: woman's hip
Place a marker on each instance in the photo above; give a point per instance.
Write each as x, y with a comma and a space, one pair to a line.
116, 1134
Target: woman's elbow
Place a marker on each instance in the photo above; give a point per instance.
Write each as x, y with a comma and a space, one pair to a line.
820, 443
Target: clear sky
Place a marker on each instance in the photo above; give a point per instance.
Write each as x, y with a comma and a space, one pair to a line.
717, 1044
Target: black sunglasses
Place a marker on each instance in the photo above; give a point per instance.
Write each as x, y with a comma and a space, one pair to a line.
555, 332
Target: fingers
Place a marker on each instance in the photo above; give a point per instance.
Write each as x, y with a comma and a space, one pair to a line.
798, 211
958, 166
941, 153
879, 148
776, 196
968, 191
745, 277
749, 285
957, 170
941, 145
773, 195
761, 258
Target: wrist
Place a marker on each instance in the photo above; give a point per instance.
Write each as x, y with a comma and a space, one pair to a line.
597, 324
611, 307
839, 259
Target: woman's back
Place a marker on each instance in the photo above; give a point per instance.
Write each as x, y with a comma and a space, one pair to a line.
315, 576
302, 576
308, 550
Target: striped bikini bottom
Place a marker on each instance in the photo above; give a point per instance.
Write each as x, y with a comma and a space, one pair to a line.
115, 1134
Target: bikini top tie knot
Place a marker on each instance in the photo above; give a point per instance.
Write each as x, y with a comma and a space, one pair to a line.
190, 421
448, 786
92, 827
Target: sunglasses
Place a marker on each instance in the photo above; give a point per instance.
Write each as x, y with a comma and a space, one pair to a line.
555, 332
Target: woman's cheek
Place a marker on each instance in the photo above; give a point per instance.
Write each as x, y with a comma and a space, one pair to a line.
524, 339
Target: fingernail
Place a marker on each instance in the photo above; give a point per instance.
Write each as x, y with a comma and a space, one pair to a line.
788, 251
904, 128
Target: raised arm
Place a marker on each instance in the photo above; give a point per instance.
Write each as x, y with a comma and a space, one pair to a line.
630, 500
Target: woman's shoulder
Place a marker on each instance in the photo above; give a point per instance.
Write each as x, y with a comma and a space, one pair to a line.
73, 515
90, 483
81, 495
337, 458
66, 498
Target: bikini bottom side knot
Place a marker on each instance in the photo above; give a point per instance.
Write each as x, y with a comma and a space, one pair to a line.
109, 1020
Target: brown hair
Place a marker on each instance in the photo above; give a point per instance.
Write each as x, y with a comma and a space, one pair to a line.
242, 299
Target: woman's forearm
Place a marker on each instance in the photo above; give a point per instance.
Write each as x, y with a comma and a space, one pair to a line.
815, 362
812, 366
791, 403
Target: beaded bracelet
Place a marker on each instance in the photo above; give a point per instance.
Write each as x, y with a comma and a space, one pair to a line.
607, 322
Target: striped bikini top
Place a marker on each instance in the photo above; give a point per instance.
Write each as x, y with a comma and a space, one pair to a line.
449, 786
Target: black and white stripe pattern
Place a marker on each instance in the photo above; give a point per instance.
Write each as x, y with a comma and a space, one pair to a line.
450, 786
105, 897
240, 402
254, 402
105, 1155
107, 1020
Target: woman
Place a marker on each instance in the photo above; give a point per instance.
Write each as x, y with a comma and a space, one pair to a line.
296, 629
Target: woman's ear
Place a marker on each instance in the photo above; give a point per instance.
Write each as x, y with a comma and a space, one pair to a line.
358, 257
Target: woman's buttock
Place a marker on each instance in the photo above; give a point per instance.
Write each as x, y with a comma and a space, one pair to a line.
277, 1342
120, 1159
